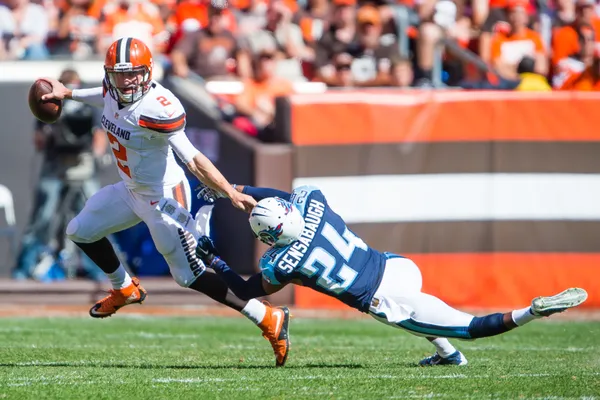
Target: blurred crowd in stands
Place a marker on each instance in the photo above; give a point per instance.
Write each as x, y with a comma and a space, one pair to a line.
269, 44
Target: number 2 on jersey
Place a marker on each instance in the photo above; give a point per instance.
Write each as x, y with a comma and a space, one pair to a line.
120, 153
163, 100
345, 245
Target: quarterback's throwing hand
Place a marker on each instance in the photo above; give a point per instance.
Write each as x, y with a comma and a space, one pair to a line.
59, 91
206, 250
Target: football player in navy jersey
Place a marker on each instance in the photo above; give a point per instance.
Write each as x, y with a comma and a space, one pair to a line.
312, 246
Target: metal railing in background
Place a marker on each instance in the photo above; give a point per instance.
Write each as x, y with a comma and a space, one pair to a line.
447, 45
402, 18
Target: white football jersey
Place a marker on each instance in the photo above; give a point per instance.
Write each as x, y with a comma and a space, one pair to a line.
139, 133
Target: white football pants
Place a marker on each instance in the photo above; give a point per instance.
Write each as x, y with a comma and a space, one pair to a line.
399, 302
115, 208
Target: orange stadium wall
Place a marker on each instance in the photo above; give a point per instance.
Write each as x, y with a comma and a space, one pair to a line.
495, 195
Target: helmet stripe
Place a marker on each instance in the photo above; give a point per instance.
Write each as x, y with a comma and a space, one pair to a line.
128, 50
118, 52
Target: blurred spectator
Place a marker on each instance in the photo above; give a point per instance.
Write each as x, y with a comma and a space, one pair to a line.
257, 101
193, 15
23, 30
577, 61
279, 28
517, 41
166, 12
211, 52
190, 16
573, 43
480, 10
402, 73
343, 70
314, 21
139, 19
564, 13
371, 52
497, 21
529, 79
251, 16
336, 39
67, 179
586, 80
444, 21
78, 28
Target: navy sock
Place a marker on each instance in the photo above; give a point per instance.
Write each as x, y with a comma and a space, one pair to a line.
490, 325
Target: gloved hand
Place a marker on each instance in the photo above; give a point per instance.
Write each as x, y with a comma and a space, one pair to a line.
206, 250
209, 195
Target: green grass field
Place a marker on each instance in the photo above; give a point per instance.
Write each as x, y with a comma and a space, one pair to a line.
132, 357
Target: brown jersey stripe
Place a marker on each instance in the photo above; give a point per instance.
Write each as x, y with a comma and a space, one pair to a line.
163, 125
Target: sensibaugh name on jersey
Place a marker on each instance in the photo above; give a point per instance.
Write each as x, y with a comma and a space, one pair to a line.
139, 134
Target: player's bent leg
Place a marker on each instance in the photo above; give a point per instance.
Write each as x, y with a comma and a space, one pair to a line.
214, 287
178, 246
104, 213
273, 321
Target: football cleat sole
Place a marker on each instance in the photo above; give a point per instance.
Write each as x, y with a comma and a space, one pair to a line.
93, 313
284, 334
546, 306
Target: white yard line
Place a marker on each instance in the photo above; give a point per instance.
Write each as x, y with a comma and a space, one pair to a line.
169, 380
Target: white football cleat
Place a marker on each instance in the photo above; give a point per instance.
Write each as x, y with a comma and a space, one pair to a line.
546, 306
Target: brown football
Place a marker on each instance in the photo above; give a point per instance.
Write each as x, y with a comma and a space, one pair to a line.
45, 111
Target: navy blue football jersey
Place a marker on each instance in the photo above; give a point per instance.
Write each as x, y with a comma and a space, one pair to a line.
327, 257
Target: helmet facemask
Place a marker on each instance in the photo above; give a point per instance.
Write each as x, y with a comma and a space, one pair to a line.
127, 84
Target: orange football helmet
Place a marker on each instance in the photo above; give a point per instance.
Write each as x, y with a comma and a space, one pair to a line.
128, 70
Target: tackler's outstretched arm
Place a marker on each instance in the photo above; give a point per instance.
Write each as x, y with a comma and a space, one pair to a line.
259, 193
255, 286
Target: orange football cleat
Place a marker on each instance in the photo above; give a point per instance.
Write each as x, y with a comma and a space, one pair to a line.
275, 329
109, 305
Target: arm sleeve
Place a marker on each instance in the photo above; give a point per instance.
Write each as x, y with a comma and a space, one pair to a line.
263, 193
243, 289
182, 146
93, 96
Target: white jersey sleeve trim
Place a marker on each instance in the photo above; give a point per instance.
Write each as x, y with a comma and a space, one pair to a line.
182, 146
93, 96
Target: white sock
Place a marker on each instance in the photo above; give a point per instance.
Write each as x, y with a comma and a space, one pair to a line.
523, 316
255, 311
120, 279
443, 346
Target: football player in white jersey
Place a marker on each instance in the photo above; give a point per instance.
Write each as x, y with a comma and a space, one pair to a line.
145, 124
